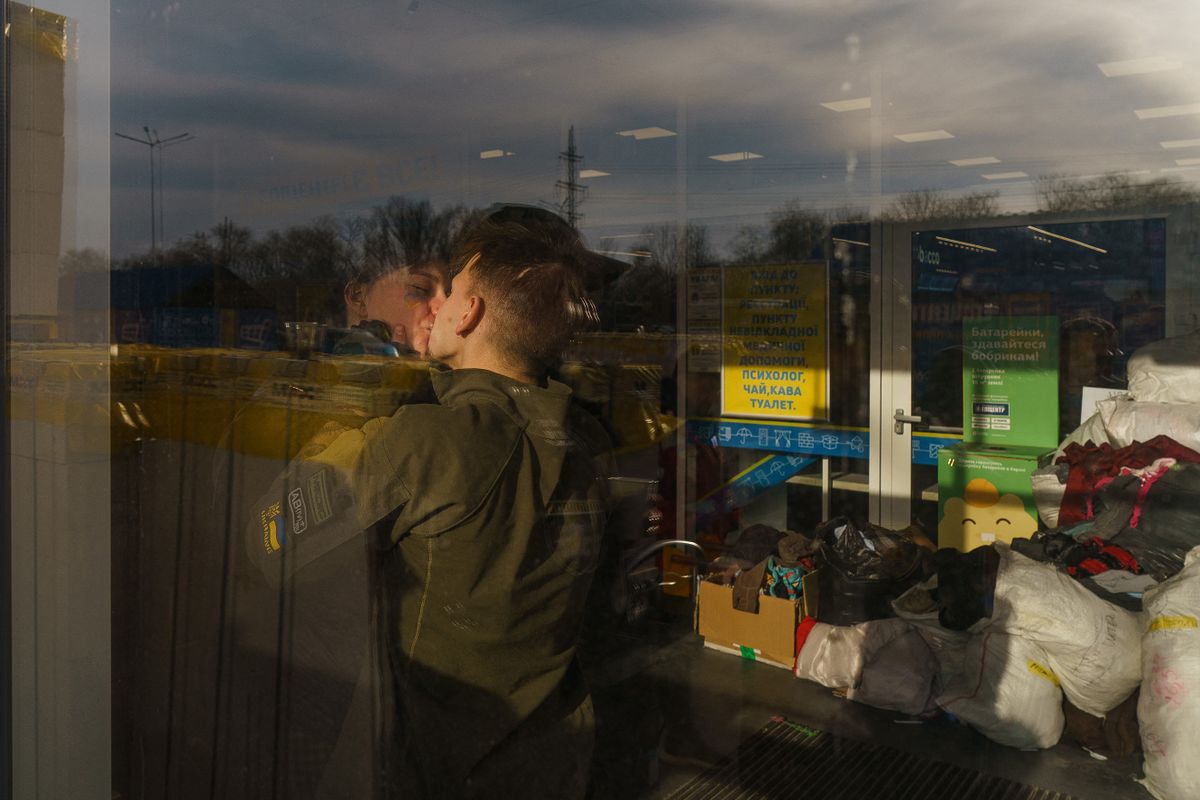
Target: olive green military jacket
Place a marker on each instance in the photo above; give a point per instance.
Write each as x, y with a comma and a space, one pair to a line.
489, 509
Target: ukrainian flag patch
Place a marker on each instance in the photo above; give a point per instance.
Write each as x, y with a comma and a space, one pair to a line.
274, 534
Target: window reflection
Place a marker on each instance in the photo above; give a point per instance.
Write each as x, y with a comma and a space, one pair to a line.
186, 315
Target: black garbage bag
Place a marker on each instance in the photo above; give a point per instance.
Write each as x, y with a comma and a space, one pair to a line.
860, 571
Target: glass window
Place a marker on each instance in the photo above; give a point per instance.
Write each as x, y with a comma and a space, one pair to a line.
247, 268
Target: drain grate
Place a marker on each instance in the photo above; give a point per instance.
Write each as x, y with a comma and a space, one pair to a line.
788, 760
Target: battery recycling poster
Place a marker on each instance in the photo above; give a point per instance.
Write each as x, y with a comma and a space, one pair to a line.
1010, 380
775, 348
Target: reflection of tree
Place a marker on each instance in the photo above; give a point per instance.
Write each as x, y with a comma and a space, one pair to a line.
926, 204
671, 249
1057, 193
304, 266
748, 245
89, 259
795, 233
403, 231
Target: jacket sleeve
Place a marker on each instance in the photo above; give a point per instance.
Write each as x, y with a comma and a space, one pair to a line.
325, 497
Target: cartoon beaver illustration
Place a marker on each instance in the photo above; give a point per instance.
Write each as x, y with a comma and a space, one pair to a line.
982, 516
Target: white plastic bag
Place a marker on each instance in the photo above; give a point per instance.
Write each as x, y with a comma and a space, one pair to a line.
1007, 692
898, 676
1048, 490
1122, 422
834, 655
1093, 646
1166, 371
1169, 704
918, 608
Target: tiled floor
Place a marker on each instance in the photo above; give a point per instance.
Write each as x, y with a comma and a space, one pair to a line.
719, 700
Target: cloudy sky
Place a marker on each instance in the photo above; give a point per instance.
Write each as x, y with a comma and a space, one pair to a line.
302, 108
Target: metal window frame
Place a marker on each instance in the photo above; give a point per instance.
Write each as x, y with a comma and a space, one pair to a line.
6, 652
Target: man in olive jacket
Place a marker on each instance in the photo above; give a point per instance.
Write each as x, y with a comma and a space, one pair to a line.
488, 509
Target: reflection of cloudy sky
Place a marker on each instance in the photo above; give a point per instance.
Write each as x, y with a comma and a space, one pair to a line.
305, 108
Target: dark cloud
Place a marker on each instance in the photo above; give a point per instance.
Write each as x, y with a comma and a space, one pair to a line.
283, 90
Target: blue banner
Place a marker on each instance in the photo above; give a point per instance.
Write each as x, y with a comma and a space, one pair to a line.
823, 442
925, 446
785, 438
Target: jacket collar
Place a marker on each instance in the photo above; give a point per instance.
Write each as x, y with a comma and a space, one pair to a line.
453, 385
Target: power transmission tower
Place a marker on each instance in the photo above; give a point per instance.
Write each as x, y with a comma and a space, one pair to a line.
573, 190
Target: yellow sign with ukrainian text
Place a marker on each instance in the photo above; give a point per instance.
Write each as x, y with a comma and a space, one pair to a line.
775, 345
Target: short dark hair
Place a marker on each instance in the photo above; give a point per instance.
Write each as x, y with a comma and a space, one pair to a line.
530, 271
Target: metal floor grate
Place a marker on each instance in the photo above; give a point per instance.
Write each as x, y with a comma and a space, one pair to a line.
788, 760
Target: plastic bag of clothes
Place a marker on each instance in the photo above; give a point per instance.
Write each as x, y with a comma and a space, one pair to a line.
1166, 371
859, 572
1169, 705
899, 676
1093, 646
834, 655
919, 607
1007, 692
1049, 484
1120, 423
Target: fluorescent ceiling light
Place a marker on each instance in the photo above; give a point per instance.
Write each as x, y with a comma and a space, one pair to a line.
634, 253
1139, 66
593, 173
1068, 239
1188, 162
975, 162
647, 133
924, 136
1176, 144
851, 241
495, 153
1168, 111
1004, 176
857, 104
968, 245
1179, 169
745, 155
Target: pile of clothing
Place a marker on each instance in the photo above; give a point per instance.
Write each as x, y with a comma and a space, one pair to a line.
763, 560
1088, 629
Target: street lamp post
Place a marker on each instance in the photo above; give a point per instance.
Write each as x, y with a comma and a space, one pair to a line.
154, 142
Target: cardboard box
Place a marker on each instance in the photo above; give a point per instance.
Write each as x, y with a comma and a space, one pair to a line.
985, 494
768, 636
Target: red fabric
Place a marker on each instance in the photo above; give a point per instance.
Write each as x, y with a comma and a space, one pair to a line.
802, 630
1095, 556
1123, 557
1091, 463
1147, 482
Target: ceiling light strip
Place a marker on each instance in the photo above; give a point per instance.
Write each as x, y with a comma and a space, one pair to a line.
980, 247
1045, 232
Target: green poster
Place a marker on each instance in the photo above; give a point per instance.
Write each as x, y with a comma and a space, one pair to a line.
1010, 381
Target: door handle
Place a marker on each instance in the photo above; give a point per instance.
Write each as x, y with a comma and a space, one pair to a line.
901, 419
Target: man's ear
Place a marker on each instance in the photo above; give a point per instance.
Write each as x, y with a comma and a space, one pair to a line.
355, 295
471, 317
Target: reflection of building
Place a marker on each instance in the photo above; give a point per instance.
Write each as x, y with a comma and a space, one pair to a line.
190, 306
36, 117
